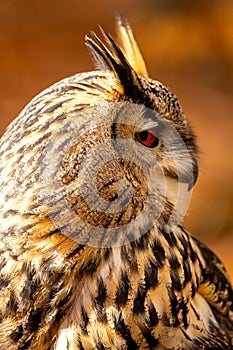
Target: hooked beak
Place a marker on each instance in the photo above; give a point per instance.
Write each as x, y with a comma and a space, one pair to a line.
191, 178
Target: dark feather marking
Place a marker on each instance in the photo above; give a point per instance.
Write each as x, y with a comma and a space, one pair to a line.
192, 254
159, 253
75, 251
193, 288
147, 334
138, 305
151, 275
174, 307
175, 278
124, 331
195, 311
4, 282
25, 345
170, 238
31, 285
84, 320
187, 271
34, 320
153, 316
185, 334
53, 107
184, 308
94, 88
107, 253
100, 346
80, 345
99, 301
173, 261
65, 300
17, 334
122, 290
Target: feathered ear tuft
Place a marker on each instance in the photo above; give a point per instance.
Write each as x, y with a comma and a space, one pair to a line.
123, 62
130, 47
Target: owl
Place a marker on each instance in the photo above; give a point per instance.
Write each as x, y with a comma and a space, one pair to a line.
96, 175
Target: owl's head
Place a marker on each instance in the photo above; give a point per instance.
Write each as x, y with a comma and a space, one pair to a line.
129, 161
111, 153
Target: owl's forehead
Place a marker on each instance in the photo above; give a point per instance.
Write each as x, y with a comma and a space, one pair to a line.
136, 115
125, 114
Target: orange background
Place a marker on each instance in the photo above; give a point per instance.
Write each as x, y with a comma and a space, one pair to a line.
188, 45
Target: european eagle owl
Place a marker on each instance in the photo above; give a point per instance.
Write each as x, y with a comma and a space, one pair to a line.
96, 175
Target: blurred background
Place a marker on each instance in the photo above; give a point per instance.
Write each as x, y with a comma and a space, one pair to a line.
188, 45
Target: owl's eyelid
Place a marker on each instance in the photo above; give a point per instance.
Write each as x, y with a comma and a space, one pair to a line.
146, 126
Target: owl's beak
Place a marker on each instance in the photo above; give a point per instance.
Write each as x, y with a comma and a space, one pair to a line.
192, 177
189, 177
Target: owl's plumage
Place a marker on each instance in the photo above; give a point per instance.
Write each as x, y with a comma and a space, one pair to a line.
111, 268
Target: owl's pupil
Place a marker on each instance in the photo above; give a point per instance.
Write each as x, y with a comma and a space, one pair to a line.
143, 135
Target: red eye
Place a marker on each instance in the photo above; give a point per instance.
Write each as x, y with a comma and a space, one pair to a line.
147, 138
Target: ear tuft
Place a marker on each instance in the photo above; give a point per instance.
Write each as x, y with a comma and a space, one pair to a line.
112, 57
130, 47
126, 54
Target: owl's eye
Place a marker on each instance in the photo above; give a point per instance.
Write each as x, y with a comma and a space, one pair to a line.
147, 138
